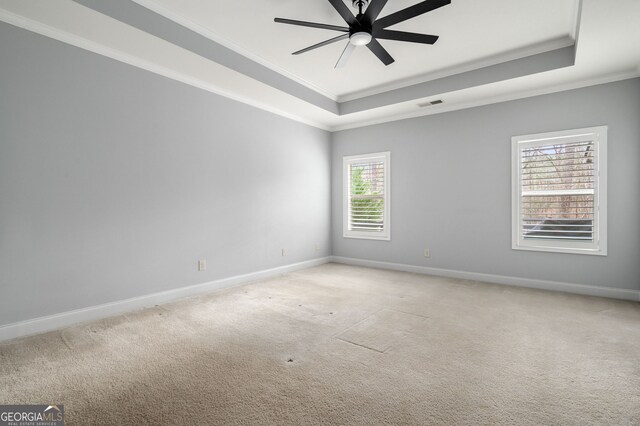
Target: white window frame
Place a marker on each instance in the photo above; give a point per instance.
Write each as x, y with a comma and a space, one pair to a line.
599, 244
346, 192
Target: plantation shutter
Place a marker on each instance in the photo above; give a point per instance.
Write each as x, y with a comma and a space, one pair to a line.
557, 190
366, 196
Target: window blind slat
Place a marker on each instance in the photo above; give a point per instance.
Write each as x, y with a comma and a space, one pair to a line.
366, 196
557, 191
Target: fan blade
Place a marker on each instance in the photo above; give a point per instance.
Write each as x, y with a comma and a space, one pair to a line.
346, 53
311, 24
344, 11
405, 36
374, 9
380, 52
410, 12
324, 43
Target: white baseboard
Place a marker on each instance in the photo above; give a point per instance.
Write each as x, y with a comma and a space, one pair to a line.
65, 319
613, 293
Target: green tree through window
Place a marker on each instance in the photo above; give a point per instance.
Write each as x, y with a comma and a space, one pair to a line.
367, 200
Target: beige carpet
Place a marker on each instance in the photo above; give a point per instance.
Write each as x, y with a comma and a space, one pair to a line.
343, 345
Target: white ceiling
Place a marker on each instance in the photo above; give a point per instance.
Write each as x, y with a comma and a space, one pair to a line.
469, 30
473, 34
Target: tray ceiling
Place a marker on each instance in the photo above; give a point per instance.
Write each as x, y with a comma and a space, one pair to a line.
488, 51
470, 32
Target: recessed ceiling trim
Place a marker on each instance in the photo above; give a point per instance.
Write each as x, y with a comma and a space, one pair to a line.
528, 65
536, 49
138, 16
610, 60
491, 100
575, 33
577, 17
254, 66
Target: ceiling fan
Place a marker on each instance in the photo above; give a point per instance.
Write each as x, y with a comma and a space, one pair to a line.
365, 28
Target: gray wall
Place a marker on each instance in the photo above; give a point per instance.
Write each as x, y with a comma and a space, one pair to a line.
114, 182
451, 187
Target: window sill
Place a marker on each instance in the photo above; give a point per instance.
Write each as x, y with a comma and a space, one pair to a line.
568, 250
367, 237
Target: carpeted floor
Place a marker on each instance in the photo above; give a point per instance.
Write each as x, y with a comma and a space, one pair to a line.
343, 345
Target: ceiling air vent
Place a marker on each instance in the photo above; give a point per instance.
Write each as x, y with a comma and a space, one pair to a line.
432, 103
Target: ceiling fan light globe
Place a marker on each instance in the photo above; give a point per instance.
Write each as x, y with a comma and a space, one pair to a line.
360, 38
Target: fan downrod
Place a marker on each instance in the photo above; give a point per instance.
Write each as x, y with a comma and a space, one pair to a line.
360, 4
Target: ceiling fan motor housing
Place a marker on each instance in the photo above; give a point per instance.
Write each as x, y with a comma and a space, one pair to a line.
360, 28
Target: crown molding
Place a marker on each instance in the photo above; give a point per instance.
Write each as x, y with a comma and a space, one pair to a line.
91, 46
512, 55
626, 75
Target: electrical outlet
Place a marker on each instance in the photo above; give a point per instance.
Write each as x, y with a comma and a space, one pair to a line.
202, 265
427, 252
284, 252
317, 247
